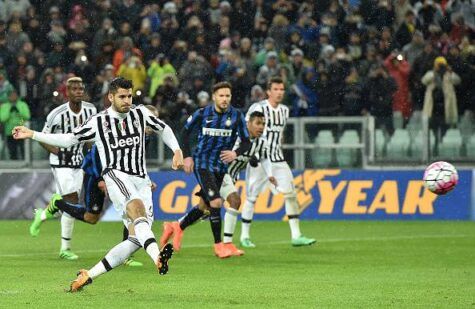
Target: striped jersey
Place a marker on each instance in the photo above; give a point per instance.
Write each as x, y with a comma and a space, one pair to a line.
258, 149
216, 132
275, 119
63, 120
120, 138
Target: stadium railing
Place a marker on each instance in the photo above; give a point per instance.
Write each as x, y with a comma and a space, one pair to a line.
324, 142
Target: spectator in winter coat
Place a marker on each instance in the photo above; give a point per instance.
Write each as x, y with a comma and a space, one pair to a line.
399, 69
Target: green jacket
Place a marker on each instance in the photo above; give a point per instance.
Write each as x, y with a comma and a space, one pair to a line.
157, 74
12, 115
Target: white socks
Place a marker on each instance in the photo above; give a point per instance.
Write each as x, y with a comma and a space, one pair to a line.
67, 226
115, 257
145, 236
292, 211
230, 219
246, 218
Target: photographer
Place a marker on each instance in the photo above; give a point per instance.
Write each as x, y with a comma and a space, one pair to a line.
440, 101
13, 113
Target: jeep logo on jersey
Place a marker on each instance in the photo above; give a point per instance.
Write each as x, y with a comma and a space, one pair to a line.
126, 142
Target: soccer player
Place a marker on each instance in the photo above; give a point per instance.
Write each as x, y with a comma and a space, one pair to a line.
219, 126
276, 115
228, 191
66, 162
119, 133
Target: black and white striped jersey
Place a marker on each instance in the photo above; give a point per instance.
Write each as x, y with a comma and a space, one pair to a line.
276, 119
120, 138
258, 149
63, 120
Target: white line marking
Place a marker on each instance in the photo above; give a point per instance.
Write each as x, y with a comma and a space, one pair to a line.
264, 244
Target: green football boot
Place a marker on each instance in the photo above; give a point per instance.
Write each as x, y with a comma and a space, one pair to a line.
303, 241
68, 255
51, 209
132, 263
247, 243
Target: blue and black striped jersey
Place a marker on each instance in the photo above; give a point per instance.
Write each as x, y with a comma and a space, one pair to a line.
216, 132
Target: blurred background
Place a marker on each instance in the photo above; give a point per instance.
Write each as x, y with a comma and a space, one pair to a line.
370, 83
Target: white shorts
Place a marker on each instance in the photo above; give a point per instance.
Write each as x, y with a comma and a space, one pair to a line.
227, 187
122, 188
68, 180
257, 180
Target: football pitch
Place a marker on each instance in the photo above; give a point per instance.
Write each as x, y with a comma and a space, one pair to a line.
354, 264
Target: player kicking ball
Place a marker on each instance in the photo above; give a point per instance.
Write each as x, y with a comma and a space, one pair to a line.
117, 131
276, 116
219, 126
228, 191
95, 192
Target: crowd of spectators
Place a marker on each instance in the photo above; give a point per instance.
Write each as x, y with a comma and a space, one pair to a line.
347, 57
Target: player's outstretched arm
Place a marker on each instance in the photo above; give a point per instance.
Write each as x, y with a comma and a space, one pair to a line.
59, 140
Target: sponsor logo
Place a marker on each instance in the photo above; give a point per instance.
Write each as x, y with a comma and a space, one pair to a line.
217, 132
126, 142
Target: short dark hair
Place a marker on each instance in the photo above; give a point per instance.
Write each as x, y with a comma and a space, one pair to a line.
221, 85
274, 80
120, 82
256, 114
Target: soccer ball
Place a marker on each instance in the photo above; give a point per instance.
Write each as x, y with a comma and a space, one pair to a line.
440, 177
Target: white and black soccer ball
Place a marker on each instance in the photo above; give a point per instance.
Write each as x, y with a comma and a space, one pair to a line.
440, 177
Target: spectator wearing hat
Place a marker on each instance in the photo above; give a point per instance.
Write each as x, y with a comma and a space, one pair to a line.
269, 46
13, 112
440, 100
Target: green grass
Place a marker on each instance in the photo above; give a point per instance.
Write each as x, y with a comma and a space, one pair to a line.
355, 264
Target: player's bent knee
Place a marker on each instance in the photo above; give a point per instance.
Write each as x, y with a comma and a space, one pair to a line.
135, 208
234, 201
71, 198
216, 203
91, 218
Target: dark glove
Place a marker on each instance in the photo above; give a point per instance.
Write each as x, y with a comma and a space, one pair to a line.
253, 161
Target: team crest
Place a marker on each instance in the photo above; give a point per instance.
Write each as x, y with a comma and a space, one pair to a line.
228, 122
210, 193
189, 118
136, 123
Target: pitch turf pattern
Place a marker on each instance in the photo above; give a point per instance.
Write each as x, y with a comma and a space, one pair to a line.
354, 264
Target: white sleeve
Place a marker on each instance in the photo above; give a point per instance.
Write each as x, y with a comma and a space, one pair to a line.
267, 166
151, 121
254, 107
59, 140
170, 139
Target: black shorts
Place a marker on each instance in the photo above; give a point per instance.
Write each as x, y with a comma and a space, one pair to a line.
210, 183
93, 196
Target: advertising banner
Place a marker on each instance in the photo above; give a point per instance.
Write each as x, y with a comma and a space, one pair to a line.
335, 195
322, 195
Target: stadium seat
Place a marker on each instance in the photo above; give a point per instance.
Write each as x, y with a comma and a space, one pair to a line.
398, 145
322, 157
379, 143
417, 144
471, 147
466, 126
451, 144
398, 120
347, 157
414, 126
